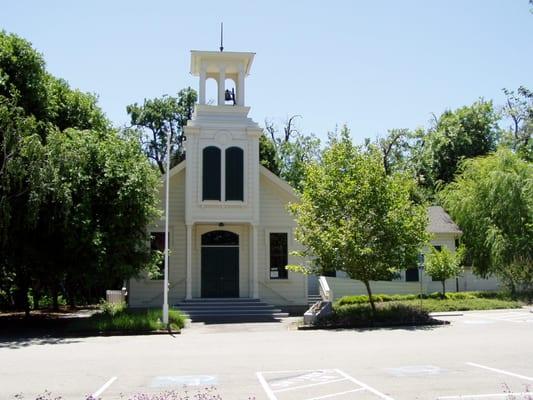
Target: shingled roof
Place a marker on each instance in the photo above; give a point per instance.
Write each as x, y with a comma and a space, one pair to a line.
441, 222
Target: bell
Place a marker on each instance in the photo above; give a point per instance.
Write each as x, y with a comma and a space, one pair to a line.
228, 95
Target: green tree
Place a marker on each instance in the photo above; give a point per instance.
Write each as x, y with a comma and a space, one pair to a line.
492, 201
293, 150
103, 193
467, 132
22, 75
519, 109
75, 197
158, 118
355, 218
21, 164
267, 155
443, 264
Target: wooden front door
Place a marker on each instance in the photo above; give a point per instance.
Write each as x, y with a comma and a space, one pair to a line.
220, 264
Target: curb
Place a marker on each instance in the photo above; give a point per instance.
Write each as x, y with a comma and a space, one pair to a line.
446, 314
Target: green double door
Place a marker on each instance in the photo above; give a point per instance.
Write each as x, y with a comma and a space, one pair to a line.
220, 271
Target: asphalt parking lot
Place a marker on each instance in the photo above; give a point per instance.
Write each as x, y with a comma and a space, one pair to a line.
480, 355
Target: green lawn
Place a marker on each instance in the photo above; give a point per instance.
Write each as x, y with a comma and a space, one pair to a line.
461, 301
434, 305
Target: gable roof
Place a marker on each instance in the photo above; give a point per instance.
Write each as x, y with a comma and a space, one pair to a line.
175, 169
441, 222
276, 180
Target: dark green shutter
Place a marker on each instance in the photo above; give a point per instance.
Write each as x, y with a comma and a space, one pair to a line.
211, 173
234, 174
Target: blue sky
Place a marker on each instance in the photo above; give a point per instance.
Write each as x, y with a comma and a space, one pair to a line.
374, 65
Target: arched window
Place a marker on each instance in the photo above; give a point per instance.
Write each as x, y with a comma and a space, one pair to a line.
220, 238
211, 173
234, 174
211, 92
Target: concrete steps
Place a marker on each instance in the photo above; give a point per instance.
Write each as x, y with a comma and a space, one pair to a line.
313, 298
222, 310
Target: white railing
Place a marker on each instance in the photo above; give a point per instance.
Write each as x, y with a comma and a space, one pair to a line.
325, 291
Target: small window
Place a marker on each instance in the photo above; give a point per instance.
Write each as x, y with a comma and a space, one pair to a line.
278, 256
157, 243
211, 173
438, 248
411, 275
234, 174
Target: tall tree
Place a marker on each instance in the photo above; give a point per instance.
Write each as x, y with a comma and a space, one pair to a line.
355, 218
293, 150
159, 118
467, 132
492, 200
74, 195
519, 109
102, 193
267, 155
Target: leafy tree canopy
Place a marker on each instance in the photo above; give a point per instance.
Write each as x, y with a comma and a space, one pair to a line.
492, 201
75, 196
355, 218
467, 132
159, 118
293, 151
443, 264
519, 109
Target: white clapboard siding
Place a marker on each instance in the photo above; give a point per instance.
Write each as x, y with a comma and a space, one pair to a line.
274, 217
144, 292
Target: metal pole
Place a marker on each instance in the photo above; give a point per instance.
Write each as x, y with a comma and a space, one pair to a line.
420, 270
167, 184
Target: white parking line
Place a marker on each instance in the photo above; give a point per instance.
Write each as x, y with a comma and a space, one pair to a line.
503, 396
271, 394
266, 387
327, 396
369, 388
501, 371
309, 385
104, 387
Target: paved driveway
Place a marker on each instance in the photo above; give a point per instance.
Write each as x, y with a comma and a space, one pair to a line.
480, 355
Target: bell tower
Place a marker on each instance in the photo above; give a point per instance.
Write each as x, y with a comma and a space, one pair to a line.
222, 144
221, 66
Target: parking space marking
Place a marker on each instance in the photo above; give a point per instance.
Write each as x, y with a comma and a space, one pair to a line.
327, 396
501, 371
309, 385
318, 377
503, 396
266, 387
369, 388
104, 387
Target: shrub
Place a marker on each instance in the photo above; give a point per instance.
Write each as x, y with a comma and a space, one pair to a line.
380, 298
129, 321
392, 314
111, 308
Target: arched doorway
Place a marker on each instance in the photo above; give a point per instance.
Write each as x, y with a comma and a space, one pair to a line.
220, 264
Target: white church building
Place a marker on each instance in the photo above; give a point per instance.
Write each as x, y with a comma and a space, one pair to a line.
230, 234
